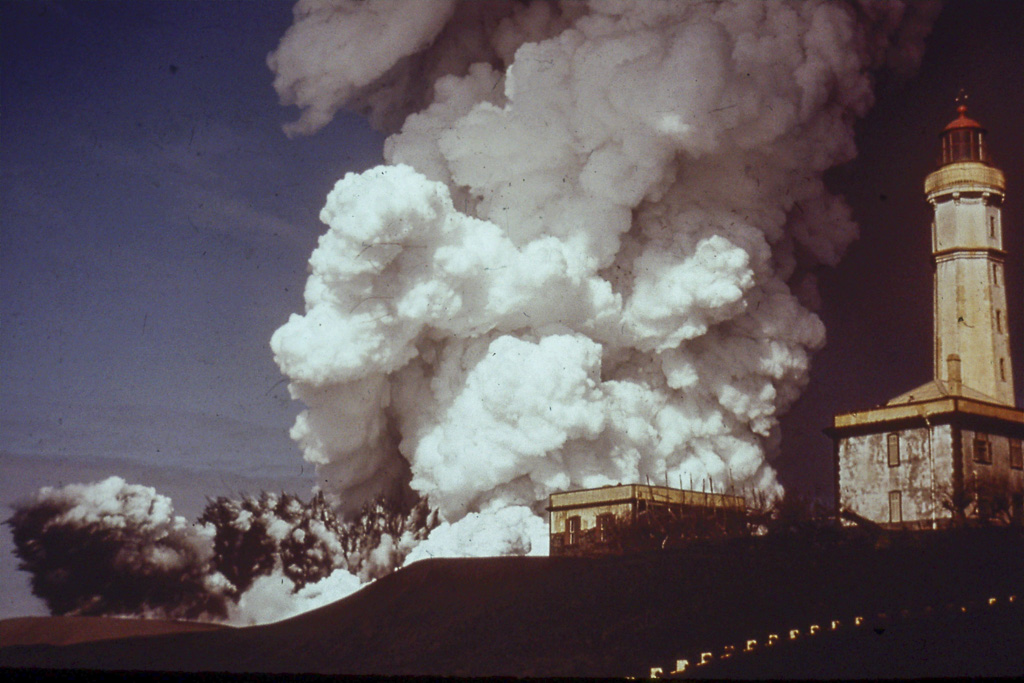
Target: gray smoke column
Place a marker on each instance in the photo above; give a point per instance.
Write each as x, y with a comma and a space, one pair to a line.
586, 260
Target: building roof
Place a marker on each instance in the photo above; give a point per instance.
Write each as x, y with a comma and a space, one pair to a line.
944, 409
938, 389
629, 492
962, 121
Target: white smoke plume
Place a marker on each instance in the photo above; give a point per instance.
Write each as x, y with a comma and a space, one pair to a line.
587, 258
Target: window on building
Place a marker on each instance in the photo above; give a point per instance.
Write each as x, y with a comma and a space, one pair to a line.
572, 531
991, 226
604, 526
1002, 369
894, 450
999, 322
1016, 459
895, 507
982, 450
995, 274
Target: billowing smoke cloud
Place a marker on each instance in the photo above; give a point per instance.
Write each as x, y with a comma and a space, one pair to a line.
113, 548
589, 258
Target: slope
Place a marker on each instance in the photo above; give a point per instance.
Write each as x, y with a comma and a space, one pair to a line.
584, 617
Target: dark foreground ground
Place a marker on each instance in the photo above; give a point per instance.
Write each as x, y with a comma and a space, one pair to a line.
72, 630
622, 616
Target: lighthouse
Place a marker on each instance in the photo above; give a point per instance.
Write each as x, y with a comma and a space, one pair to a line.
972, 340
949, 450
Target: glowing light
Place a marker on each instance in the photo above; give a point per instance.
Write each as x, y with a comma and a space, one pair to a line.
835, 624
857, 621
991, 601
794, 633
705, 657
814, 629
751, 644
681, 665
773, 638
656, 671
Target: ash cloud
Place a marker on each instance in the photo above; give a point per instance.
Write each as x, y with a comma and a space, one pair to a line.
111, 548
589, 256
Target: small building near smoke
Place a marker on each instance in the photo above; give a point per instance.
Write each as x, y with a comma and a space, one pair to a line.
636, 517
950, 449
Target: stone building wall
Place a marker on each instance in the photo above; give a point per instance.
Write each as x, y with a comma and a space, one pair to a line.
922, 477
988, 473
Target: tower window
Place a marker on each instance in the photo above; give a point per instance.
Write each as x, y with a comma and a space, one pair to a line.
1002, 369
894, 450
991, 226
895, 507
995, 274
999, 322
982, 450
1016, 459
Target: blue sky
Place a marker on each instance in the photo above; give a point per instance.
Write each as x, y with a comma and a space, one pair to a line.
157, 224
156, 229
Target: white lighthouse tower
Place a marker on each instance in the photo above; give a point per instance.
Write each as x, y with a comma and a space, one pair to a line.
951, 449
972, 341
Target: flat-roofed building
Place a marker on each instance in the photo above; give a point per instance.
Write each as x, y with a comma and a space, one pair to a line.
922, 463
634, 517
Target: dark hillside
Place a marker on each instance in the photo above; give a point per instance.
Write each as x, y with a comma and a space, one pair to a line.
69, 630
587, 617
982, 641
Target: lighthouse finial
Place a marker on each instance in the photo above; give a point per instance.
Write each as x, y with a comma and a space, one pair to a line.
961, 101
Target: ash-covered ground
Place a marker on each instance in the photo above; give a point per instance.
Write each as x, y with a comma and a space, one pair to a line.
619, 616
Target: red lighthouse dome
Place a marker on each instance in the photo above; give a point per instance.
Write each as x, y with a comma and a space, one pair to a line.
963, 139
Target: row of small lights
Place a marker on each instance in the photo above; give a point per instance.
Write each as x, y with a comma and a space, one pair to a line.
682, 665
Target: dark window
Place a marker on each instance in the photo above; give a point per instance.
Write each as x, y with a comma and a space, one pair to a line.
999, 322
992, 226
995, 274
1002, 369
894, 450
572, 531
895, 507
604, 527
1016, 459
982, 450
641, 505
